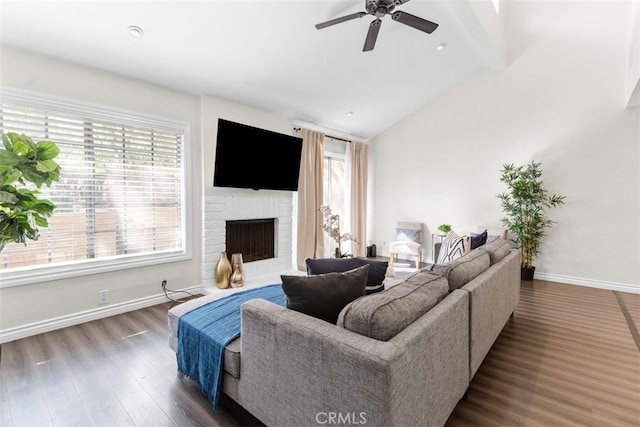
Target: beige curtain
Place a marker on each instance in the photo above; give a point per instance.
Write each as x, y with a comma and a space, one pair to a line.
359, 162
310, 237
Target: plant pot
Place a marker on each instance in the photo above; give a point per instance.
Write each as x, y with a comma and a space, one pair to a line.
526, 273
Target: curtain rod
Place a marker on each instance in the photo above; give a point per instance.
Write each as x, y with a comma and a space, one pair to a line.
326, 136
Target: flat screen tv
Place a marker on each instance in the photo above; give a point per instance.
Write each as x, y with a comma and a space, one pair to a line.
250, 157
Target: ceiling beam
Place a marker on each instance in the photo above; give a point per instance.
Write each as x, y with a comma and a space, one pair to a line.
484, 22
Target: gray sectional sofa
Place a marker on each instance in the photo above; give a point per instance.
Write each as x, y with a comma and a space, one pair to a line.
400, 357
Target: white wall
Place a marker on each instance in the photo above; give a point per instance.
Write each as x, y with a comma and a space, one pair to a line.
52, 304
35, 308
560, 101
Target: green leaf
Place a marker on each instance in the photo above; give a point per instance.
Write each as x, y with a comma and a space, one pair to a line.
9, 177
44, 207
46, 150
27, 194
40, 221
6, 142
9, 158
30, 173
46, 166
7, 198
24, 145
54, 175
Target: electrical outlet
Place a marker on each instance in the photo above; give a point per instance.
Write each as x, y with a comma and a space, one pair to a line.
103, 297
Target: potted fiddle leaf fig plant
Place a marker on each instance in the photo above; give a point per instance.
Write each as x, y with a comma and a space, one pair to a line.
25, 166
524, 205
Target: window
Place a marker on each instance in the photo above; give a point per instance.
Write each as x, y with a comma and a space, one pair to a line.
334, 188
120, 200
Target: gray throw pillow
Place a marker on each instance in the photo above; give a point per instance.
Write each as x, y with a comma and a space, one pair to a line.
324, 295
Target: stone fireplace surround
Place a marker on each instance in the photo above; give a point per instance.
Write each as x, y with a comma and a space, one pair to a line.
219, 209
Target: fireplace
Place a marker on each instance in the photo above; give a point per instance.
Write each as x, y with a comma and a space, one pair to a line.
274, 206
253, 238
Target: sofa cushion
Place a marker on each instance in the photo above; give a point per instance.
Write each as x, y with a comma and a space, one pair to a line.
377, 269
231, 363
497, 249
383, 315
453, 246
462, 270
324, 295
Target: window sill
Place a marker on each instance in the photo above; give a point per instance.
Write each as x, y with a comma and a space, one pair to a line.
46, 273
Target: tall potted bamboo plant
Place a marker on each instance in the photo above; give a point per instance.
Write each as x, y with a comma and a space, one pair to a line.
524, 205
24, 166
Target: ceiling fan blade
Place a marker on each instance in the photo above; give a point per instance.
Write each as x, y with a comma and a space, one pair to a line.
414, 21
372, 35
339, 20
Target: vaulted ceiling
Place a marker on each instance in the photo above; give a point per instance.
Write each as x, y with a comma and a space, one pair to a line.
268, 53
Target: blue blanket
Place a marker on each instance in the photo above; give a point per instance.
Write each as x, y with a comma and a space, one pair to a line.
204, 332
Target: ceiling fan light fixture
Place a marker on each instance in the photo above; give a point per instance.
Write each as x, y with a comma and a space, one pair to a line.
379, 9
135, 31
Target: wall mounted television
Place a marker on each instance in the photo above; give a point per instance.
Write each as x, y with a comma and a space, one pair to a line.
259, 159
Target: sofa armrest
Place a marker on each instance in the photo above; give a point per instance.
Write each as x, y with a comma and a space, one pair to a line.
296, 368
494, 295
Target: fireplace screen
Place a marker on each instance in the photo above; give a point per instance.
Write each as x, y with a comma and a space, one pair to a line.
253, 238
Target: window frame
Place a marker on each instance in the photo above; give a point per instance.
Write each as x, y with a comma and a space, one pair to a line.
332, 155
63, 270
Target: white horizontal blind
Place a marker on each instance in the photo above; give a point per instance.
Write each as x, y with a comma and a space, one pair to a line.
120, 193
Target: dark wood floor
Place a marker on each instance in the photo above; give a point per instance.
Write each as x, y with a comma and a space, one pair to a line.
570, 356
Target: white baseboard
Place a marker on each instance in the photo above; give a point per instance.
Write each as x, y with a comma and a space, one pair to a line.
35, 328
568, 280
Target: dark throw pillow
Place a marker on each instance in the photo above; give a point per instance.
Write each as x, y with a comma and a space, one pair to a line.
377, 270
331, 265
478, 240
324, 295
377, 273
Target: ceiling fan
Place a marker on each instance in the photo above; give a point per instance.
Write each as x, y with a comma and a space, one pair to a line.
380, 8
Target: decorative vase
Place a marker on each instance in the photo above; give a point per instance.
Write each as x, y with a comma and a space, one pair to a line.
222, 271
526, 273
237, 277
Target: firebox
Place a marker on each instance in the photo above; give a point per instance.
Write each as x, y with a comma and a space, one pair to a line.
253, 238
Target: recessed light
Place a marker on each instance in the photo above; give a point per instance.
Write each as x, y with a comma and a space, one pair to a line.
441, 46
349, 113
135, 31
